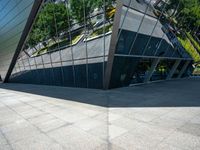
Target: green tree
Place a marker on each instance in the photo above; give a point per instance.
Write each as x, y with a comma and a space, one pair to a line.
186, 12
176, 6
81, 9
100, 3
36, 36
84, 8
54, 17
190, 14
108, 7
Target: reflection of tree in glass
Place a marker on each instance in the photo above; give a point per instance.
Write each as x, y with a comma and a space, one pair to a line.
186, 12
184, 18
45, 28
84, 8
81, 9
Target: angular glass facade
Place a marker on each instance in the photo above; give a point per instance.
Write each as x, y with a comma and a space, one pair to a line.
13, 17
104, 44
147, 44
74, 48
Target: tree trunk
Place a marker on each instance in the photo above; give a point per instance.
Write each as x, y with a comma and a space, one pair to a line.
53, 38
26, 53
35, 48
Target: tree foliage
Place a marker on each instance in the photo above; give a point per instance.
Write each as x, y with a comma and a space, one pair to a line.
52, 20
84, 8
186, 12
81, 9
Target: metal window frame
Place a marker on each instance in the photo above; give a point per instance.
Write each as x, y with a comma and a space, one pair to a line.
113, 43
173, 69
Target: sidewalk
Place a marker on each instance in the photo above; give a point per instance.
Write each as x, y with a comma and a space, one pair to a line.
158, 116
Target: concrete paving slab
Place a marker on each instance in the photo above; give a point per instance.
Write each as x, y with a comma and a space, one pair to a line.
130, 141
183, 140
5, 147
40, 142
75, 138
21, 134
2, 140
101, 132
115, 131
47, 122
88, 124
160, 116
164, 146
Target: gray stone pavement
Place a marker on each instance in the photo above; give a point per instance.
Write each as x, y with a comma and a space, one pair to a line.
158, 116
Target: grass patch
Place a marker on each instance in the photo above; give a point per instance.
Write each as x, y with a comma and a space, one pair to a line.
197, 70
100, 31
40, 52
190, 49
194, 42
76, 39
54, 46
64, 43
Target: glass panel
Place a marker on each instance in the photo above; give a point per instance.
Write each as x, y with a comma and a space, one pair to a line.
189, 70
70, 41
178, 70
122, 71
68, 37
141, 71
162, 70
13, 18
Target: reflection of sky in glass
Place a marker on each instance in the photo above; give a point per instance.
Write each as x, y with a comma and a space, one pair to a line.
13, 16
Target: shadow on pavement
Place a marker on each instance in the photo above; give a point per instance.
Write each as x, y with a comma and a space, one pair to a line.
176, 93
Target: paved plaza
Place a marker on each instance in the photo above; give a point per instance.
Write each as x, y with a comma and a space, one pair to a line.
157, 116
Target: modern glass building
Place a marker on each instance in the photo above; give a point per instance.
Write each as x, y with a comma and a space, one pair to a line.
93, 43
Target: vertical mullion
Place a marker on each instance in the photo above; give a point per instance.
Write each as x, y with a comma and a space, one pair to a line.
173, 69
104, 41
157, 21
71, 46
52, 67
153, 67
22, 60
128, 7
139, 27
55, 23
85, 23
19, 66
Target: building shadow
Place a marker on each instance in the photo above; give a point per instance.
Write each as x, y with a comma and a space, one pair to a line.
176, 93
